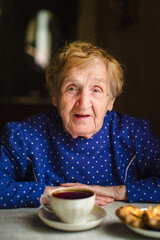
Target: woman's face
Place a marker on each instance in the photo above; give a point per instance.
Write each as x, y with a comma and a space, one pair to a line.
84, 100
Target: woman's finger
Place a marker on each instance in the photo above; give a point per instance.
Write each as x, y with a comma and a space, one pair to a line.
104, 199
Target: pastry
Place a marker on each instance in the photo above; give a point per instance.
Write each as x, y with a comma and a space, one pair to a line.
131, 215
151, 217
135, 217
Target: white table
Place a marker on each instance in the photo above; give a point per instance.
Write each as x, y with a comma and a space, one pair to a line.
23, 223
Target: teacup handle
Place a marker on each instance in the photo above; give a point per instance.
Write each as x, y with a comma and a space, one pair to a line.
46, 207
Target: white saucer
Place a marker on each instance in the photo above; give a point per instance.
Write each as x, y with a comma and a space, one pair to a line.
94, 219
145, 232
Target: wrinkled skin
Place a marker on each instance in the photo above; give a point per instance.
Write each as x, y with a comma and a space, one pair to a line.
84, 100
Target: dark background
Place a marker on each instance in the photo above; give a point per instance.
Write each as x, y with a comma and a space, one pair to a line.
128, 29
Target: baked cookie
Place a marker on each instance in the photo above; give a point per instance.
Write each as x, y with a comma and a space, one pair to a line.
131, 215
151, 217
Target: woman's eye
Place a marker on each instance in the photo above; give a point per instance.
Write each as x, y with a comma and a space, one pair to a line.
71, 90
96, 90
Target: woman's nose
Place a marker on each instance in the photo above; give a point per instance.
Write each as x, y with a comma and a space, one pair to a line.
84, 100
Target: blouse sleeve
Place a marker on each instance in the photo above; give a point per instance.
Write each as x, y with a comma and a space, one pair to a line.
147, 163
18, 185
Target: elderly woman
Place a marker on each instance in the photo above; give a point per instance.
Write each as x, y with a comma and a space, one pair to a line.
81, 141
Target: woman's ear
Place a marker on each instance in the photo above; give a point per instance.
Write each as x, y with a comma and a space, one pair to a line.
111, 103
54, 102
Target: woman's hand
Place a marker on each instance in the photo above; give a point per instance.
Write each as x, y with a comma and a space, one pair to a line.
105, 194
47, 191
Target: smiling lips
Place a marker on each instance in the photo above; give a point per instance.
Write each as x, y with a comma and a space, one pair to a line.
81, 116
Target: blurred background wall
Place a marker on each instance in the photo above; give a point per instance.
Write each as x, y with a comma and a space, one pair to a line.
31, 31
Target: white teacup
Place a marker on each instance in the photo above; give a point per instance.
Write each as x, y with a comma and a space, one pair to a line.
71, 205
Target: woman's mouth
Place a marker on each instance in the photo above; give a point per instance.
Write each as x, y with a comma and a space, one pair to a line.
82, 116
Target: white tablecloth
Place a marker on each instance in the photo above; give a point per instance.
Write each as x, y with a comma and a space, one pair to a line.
24, 223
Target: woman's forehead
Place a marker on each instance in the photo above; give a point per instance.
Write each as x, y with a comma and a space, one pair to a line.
93, 74
96, 67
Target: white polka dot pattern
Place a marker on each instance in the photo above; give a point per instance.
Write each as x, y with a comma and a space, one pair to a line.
37, 152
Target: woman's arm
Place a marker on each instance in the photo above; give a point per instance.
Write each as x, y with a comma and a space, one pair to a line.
18, 184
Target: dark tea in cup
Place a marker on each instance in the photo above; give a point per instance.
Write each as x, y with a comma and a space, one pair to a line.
72, 194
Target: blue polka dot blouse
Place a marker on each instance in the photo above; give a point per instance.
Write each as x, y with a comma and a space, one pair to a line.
37, 152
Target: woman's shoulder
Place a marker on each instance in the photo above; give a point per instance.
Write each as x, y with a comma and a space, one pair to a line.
121, 120
47, 115
119, 116
40, 120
